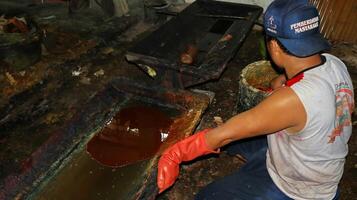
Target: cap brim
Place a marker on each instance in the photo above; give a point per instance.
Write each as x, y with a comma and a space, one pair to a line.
307, 46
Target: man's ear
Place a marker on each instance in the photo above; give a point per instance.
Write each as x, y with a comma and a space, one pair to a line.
274, 48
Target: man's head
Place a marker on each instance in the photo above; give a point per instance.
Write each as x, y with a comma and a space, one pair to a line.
294, 24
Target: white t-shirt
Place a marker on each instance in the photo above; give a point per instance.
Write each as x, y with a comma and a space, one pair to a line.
309, 164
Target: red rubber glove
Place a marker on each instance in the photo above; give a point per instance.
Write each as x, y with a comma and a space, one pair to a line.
185, 150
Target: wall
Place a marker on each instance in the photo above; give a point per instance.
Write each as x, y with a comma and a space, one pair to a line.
263, 3
338, 19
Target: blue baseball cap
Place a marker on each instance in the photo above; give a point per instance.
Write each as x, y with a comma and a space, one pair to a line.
295, 23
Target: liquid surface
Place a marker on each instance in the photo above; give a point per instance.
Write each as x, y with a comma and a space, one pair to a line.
260, 74
134, 134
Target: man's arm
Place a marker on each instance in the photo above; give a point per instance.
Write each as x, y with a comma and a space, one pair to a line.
278, 82
281, 110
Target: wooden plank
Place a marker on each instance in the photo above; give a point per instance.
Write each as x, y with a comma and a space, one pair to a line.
334, 18
325, 18
351, 28
322, 13
344, 33
338, 19
342, 21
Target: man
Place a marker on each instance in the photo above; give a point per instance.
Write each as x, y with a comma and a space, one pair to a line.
305, 120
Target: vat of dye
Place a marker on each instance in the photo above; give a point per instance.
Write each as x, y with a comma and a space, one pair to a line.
134, 134
78, 176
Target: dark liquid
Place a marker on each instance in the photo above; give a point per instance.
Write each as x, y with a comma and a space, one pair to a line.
134, 134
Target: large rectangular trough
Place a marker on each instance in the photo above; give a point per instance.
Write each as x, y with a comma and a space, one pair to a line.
77, 176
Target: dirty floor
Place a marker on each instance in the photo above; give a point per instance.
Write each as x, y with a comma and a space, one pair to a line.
86, 58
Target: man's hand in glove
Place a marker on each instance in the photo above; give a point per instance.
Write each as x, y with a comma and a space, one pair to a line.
185, 150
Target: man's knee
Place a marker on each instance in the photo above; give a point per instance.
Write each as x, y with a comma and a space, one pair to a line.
207, 194
210, 192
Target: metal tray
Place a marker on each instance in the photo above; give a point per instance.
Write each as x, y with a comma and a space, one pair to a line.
204, 24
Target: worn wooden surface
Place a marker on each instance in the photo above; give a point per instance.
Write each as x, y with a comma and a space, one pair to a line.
338, 19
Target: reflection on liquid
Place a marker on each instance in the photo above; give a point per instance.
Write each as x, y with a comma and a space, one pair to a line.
134, 134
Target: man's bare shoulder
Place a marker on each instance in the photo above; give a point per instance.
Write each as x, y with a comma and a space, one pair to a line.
281, 110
